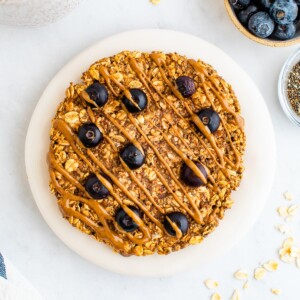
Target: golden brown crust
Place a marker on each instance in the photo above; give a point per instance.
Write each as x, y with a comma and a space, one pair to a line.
157, 118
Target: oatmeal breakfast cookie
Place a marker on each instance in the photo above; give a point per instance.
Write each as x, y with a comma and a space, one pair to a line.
145, 151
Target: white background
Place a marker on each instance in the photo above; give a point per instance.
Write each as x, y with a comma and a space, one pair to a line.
29, 58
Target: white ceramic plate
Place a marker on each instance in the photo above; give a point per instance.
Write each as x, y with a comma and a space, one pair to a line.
259, 158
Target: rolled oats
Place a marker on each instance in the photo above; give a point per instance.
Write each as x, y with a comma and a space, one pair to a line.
166, 114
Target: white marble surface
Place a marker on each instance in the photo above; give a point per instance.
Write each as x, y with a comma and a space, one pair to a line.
29, 58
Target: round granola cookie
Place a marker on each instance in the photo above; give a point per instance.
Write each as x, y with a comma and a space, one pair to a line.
145, 151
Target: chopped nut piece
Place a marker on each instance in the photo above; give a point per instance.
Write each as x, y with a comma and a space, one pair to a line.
236, 295
211, 284
271, 265
216, 296
288, 196
276, 291
241, 275
259, 273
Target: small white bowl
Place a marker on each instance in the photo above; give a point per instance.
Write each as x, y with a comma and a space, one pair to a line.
282, 87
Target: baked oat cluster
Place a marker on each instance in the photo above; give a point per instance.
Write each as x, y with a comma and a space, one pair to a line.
145, 151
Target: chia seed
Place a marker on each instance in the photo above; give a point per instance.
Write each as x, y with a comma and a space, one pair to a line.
293, 88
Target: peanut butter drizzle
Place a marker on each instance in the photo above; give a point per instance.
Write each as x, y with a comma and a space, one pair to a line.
142, 76
199, 69
236, 153
170, 190
93, 119
64, 128
156, 57
103, 231
85, 96
55, 166
91, 114
108, 78
187, 161
124, 132
182, 139
175, 228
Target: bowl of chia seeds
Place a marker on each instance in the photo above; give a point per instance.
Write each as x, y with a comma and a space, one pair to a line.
289, 87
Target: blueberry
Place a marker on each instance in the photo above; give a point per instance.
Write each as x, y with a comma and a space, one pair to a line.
239, 4
284, 11
139, 97
210, 118
125, 221
188, 176
284, 32
261, 24
132, 156
186, 86
180, 220
266, 3
95, 188
97, 93
244, 15
89, 135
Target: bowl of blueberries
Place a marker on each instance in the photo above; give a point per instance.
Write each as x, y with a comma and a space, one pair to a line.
269, 22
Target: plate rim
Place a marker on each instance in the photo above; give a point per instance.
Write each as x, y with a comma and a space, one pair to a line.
73, 60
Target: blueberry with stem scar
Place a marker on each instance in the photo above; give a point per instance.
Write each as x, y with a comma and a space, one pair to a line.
90, 135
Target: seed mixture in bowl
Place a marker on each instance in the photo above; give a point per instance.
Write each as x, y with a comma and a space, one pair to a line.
145, 151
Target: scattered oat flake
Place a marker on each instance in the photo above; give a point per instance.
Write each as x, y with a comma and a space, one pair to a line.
211, 284
271, 265
292, 210
283, 228
288, 196
276, 291
155, 2
216, 296
236, 295
282, 211
246, 285
259, 273
241, 275
286, 251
